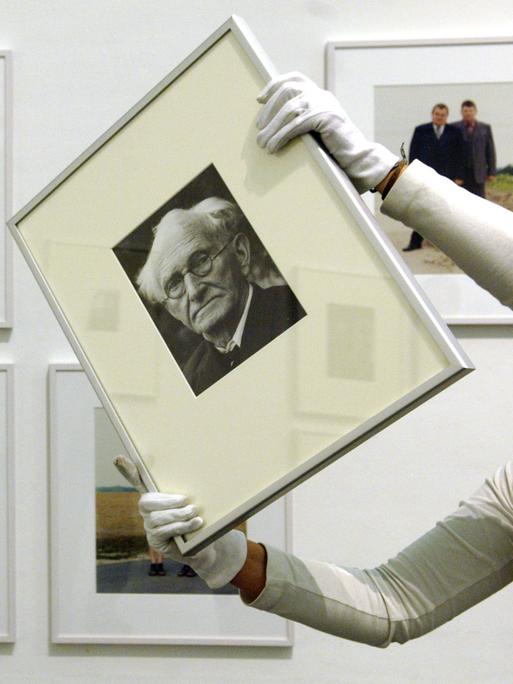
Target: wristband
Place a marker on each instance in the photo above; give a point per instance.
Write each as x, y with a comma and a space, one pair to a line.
394, 174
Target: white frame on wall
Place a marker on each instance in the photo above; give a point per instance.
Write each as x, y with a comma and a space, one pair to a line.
6, 294
7, 562
354, 68
81, 615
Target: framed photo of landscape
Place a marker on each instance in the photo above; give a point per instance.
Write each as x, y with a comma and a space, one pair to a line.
390, 87
5, 190
7, 572
108, 590
174, 229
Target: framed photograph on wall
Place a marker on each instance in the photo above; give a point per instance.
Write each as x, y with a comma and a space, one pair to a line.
172, 253
106, 587
390, 87
5, 190
7, 629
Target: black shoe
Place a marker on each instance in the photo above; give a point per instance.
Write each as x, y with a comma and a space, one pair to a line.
160, 570
153, 570
410, 248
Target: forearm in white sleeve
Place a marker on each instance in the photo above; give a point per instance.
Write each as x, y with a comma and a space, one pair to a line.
462, 560
475, 233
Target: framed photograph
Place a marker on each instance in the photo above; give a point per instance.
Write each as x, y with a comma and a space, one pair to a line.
5, 190
390, 87
6, 504
106, 587
174, 254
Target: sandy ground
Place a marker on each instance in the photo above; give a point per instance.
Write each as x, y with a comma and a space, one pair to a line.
505, 199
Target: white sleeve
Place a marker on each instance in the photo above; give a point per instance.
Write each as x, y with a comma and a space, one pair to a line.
462, 560
475, 233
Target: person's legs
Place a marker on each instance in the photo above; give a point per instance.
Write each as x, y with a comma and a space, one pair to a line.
470, 184
475, 188
156, 562
415, 242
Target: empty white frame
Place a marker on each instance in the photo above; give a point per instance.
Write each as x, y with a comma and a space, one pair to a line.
6, 504
230, 447
354, 70
81, 615
5, 190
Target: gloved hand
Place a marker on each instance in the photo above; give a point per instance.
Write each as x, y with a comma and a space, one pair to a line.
170, 515
294, 105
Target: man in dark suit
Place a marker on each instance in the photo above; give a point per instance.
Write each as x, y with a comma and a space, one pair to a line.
198, 268
439, 145
479, 150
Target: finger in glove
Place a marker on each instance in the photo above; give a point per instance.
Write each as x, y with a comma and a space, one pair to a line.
169, 515
276, 83
289, 114
159, 535
159, 501
130, 472
288, 97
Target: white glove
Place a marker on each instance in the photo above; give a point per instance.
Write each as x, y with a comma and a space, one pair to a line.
294, 105
169, 515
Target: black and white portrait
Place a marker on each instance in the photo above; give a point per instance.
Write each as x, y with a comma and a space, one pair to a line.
214, 292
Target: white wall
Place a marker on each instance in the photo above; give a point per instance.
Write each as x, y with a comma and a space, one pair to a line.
78, 66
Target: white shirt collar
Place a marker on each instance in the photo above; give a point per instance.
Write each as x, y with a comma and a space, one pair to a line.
237, 335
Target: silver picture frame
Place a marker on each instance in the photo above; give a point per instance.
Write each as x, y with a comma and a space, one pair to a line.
229, 448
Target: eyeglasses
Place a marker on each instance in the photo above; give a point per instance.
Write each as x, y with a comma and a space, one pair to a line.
200, 265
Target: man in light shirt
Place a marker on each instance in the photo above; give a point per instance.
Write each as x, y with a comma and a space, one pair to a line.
199, 269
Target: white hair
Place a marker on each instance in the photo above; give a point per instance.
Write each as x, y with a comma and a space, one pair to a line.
220, 216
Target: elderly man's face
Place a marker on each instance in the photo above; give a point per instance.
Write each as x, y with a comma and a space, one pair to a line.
210, 305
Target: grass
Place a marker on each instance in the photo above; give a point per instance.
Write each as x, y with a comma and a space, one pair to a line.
502, 183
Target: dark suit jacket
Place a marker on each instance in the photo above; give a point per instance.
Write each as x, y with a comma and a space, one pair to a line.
271, 312
483, 150
445, 155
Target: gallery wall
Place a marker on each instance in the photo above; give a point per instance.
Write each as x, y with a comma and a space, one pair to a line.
77, 67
